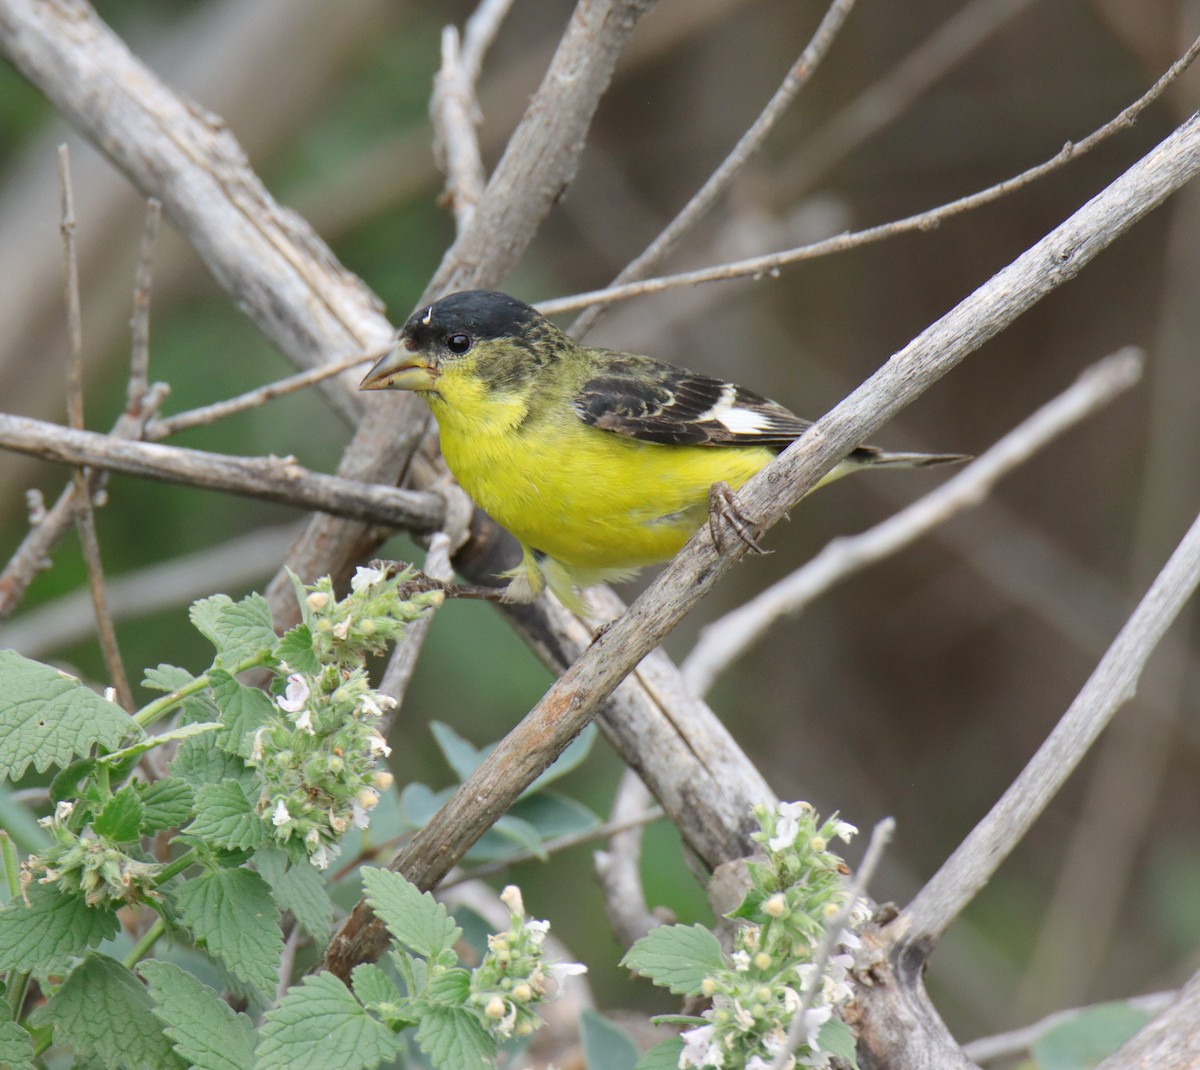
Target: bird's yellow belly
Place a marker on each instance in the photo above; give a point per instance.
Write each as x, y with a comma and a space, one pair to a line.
591, 499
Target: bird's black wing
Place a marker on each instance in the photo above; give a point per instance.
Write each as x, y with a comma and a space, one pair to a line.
655, 402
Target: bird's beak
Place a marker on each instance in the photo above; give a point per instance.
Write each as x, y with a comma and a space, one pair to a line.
401, 369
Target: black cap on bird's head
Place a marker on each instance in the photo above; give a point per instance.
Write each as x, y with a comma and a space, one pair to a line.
451, 325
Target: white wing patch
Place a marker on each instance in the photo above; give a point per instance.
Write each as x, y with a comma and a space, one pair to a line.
740, 421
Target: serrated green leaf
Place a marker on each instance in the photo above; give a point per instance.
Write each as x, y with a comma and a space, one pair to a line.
837, 1038
450, 987
319, 1025
49, 718
231, 913
300, 888
453, 1039
664, 1056
166, 678
121, 817
121, 761
243, 709
86, 1010
296, 650
572, 757
238, 630
1089, 1037
52, 930
206, 1031
225, 817
16, 1047
166, 804
605, 1045
415, 919
461, 755
373, 986
677, 957
201, 761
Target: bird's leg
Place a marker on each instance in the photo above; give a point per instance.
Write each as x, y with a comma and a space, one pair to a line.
420, 582
724, 509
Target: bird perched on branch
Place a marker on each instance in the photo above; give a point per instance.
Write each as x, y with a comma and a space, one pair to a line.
598, 462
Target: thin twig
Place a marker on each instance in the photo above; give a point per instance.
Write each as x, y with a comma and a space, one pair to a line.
1110, 686
1019, 1041
276, 479
251, 399
619, 869
881, 835
928, 220
748, 144
727, 639
139, 354
85, 518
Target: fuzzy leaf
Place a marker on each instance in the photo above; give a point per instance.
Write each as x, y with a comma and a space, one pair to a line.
454, 1040
1089, 1037
206, 1031
50, 931
415, 919
319, 1025
166, 678
16, 1046
837, 1038
231, 913
243, 709
664, 1056
296, 649
121, 817
238, 630
201, 761
224, 817
299, 888
107, 1015
166, 804
372, 985
677, 957
605, 1046
49, 718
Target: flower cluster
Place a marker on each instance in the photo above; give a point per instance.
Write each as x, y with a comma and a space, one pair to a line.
794, 893
94, 866
511, 980
317, 756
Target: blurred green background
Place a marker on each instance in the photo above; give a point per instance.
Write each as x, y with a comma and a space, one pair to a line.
917, 689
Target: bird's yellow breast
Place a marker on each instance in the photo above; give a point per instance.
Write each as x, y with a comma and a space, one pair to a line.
594, 500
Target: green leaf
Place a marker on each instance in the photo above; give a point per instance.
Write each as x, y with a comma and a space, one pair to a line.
319, 1025
166, 804
243, 709
837, 1038
238, 630
449, 988
664, 1056
415, 919
461, 755
205, 1029
54, 928
554, 815
127, 755
201, 761
372, 986
296, 649
48, 718
1089, 1037
605, 1045
299, 888
225, 817
167, 678
454, 1040
500, 839
419, 802
232, 914
121, 817
577, 750
16, 1047
677, 957
106, 1014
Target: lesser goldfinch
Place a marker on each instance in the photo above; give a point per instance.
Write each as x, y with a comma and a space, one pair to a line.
598, 462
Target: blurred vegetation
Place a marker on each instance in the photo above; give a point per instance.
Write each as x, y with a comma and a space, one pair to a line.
917, 689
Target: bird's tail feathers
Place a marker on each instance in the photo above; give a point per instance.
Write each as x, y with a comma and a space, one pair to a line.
877, 458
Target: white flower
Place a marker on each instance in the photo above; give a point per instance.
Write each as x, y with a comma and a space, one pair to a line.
281, 816
296, 694
757, 1062
304, 723
537, 931
511, 898
742, 1018
788, 827
340, 631
741, 961
321, 856
365, 578
700, 1049
362, 819
560, 971
811, 1022
256, 748
110, 694
376, 744
844, 831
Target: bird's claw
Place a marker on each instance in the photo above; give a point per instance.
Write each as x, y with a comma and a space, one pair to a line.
725, 511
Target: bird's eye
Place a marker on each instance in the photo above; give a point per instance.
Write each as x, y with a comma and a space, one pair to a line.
458, 343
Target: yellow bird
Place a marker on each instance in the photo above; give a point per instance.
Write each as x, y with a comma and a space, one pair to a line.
598, 462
